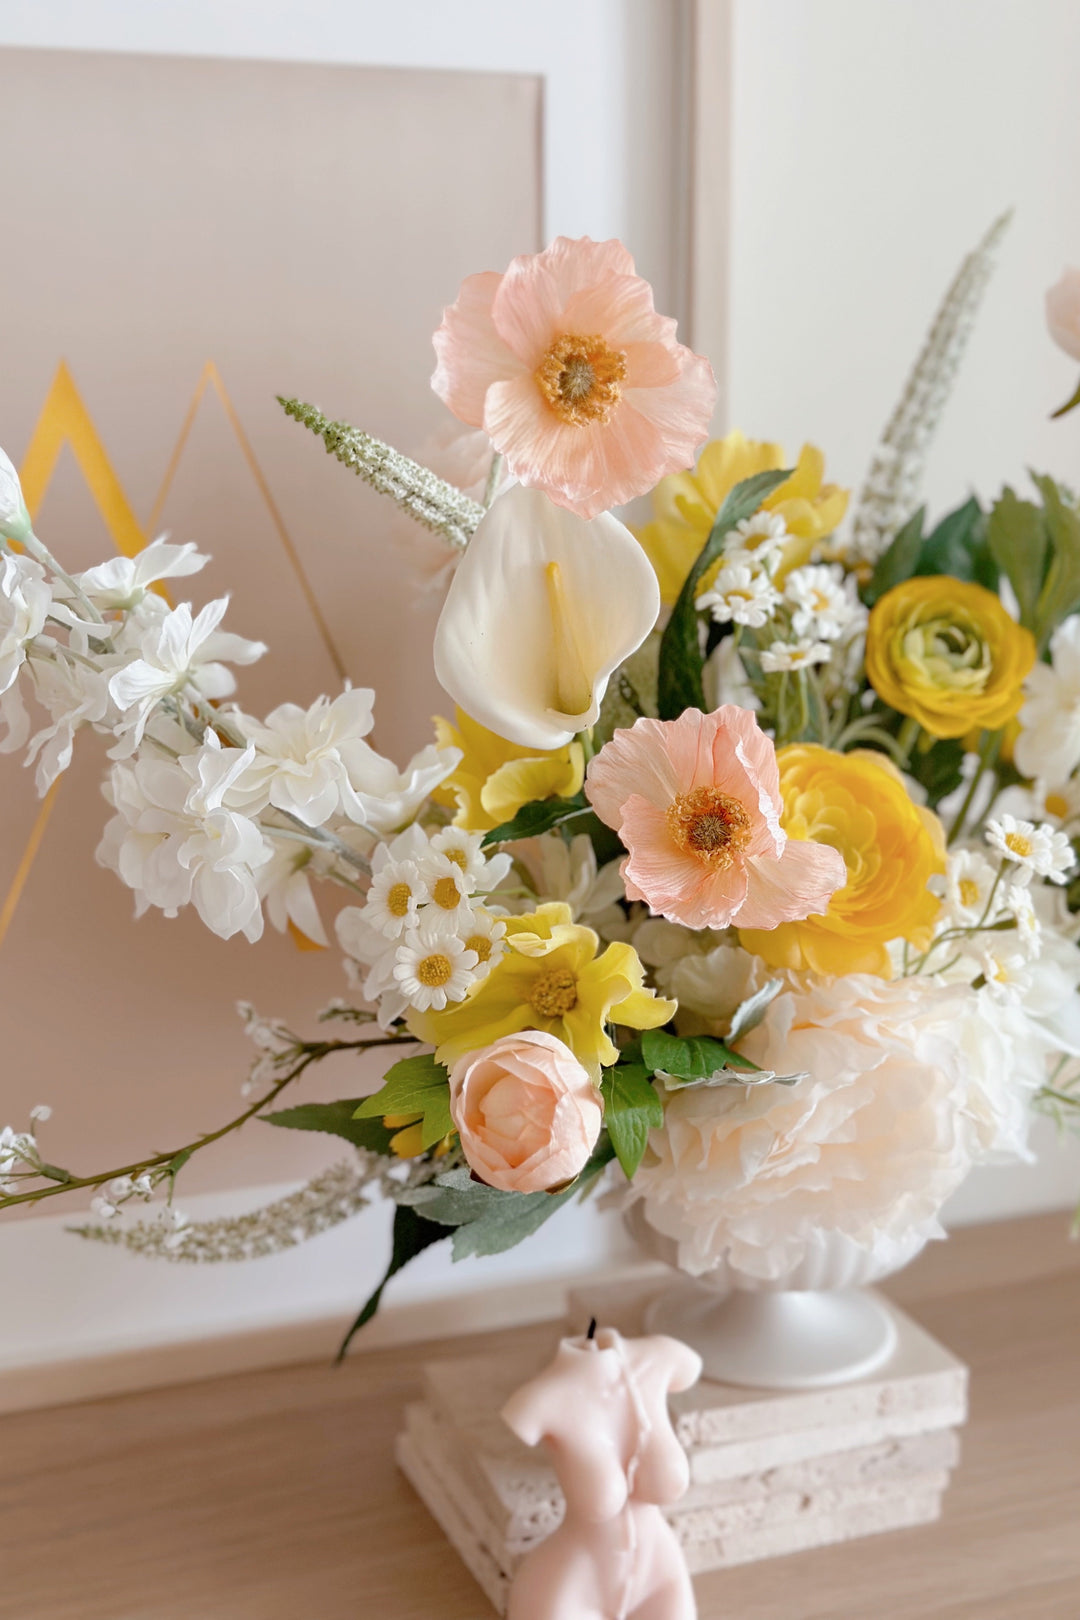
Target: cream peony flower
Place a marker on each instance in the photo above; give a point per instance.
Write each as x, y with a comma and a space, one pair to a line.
910, 1083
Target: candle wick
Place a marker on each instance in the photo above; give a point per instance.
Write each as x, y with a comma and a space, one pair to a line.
592, 1329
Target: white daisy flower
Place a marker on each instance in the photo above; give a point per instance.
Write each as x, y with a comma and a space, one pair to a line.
1038, 850
763, 534
825, 602
968, 883
1058, 801
788, 655
448, 891
485, 935
466, 849
434, 967
741, 594
1006, 968
1049, 740
1017, 902
398, 889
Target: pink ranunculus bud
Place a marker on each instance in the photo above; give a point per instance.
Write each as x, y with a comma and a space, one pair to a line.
1063, 312
526, 1110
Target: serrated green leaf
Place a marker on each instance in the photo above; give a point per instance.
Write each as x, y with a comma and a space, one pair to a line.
412, 1235
690, 1057
631, 1110
415, 1085
735, 1077
538, 816
1019, 539
1060, 594
900, 561
453, 1199
679, 681
510, 1217
336, 1119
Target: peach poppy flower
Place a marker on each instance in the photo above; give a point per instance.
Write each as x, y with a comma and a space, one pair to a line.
577, 381
697, 803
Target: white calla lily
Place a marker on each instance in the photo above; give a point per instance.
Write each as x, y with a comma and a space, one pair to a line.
543, 609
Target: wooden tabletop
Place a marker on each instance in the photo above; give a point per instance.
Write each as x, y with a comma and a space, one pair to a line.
273, 1495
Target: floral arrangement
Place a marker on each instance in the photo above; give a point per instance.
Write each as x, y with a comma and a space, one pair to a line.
739, 877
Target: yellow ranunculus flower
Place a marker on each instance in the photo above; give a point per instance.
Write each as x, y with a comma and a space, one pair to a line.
496, 777
685, 505
946, 652
857, 803
550, 978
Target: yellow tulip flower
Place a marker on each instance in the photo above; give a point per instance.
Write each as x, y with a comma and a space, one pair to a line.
685, 506
550, 978
946, 652
496, 777
858, 803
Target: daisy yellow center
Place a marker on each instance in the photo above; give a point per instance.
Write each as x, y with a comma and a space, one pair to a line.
710, 824
555, 993
481, 945
459, 857
397, 899
969, 892
446, 893
581, 378
1019, 844
1056, 805
435, 970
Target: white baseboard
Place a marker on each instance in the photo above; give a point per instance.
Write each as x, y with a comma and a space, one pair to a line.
83, 1320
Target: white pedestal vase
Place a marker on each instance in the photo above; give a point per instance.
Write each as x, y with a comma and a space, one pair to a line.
814, 1326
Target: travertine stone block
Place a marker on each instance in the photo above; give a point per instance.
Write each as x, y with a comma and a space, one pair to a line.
772, 1472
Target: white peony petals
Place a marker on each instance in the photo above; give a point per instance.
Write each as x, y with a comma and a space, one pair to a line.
543, 609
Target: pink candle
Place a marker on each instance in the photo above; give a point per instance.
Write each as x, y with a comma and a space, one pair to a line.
600, 1408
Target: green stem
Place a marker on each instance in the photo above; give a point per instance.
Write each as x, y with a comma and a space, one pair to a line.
988, 753
311, 1054
908, 736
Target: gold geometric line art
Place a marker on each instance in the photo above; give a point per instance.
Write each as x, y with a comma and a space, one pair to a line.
64, 419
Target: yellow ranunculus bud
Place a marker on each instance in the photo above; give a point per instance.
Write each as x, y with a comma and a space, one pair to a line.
946, 652
495, 777
857, 803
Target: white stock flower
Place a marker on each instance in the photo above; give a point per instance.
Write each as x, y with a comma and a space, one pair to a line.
1049, 741
75, 694
383, 798
567, 870
25, 601
285, 887
896, 1109
174, 842
786, 655
304, 758
825, 601
433, 965
366, 947
1041, 851
741, 594
177, 651
122, 582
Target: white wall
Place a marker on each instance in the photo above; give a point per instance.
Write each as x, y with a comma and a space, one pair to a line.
873, 142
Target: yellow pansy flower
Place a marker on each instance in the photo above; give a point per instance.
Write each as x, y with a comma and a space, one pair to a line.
550, 978
858, 803
685, 505
496, 777
945, 651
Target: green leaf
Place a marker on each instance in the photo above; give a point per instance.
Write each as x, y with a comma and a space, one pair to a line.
900, 561
958, 547
679, 682
538, 816
412, 1235
1018, 540
1070, 405
177, 1162
415, 1085
453, 1199
336, 1119
692, 1057
939, 769
1060, 594
631, 1110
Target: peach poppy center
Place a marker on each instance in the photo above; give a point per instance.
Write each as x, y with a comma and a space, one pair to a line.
710, 824
555, 993
581, 378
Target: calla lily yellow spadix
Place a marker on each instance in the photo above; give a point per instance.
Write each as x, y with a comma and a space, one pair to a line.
543, 609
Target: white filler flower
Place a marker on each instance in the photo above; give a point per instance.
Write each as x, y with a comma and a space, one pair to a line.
1041, 851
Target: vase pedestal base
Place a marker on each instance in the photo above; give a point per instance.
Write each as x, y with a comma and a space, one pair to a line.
773, 1471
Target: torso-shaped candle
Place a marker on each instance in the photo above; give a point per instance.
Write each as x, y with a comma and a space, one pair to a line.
601, 1410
